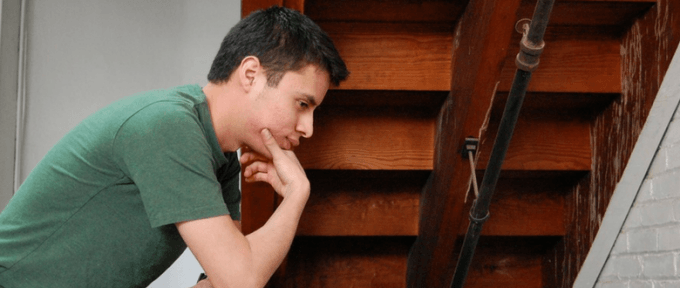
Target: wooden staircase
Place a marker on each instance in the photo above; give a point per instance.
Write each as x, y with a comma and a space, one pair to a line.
388, 205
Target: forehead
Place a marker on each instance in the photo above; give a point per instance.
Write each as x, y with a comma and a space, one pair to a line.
309, 81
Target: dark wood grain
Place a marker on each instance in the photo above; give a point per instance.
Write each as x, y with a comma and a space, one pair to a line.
481, 38
509, 262
591, 12
250, 6
543, 143
370, 138
386, 11
362, 203
573, 65
341, 262
394, 56
527, 206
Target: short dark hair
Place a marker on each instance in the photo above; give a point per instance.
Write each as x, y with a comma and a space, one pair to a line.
283, 40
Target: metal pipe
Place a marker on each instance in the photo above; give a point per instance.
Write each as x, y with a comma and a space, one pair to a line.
527, 60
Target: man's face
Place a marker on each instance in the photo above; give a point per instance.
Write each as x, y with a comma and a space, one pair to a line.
287, 110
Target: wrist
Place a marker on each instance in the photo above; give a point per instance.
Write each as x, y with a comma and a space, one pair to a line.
300, 193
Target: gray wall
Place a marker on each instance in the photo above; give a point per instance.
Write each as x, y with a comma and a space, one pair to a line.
85, 54
646, 251
10, 16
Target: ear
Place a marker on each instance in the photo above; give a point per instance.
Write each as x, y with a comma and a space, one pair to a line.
248, 71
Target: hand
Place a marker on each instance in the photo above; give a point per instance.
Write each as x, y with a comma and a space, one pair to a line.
283, 172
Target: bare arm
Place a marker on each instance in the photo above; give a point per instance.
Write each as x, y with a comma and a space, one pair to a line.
231, 259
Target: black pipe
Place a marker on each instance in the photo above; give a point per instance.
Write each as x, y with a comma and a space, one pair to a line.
527, 60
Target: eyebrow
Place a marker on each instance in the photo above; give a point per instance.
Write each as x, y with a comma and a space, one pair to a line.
310, 99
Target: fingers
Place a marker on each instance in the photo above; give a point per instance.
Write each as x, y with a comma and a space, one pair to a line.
252, 156
263, 172
270, 144
258, 177
255, 168
282, 171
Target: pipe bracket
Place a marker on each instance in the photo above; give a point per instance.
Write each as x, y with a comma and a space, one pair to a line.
469, 150
479, 220
528, 57
470, 145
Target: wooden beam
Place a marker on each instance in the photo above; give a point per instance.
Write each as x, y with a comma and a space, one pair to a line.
559, 106
480, 47
376, 54
425, 102
572, 65
514, 262
527, 206
542, 143
250, 6
258, 202
385, 203
386, 11
362, 203
591, 12
377, 138
340, 262
298, 5
394, 56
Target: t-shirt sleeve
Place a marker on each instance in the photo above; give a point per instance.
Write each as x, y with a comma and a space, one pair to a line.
162, 148
229, 176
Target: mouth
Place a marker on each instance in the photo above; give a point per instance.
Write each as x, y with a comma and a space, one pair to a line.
292, 143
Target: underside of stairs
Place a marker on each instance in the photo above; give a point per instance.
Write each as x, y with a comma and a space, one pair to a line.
388, 205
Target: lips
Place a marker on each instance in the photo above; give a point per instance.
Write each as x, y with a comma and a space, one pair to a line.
293, 143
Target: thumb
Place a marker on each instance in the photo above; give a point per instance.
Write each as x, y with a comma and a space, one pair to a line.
270, 143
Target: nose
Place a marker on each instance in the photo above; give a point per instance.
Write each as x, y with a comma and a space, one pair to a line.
306, 125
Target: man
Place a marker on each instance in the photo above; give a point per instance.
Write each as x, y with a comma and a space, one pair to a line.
120, 197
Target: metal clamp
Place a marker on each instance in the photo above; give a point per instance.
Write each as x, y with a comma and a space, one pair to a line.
470, 146
479, 220
528, 57
469, 150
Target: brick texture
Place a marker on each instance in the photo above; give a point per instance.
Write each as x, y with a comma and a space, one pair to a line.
647, 250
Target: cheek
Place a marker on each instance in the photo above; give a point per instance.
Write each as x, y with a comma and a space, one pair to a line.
280, 125
281, 120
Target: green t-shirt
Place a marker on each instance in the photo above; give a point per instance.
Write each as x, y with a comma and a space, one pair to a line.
98, 210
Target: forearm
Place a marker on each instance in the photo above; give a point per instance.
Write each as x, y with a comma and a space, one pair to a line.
233, 260
270, 244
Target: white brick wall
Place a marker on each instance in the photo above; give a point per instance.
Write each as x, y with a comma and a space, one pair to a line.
647, 250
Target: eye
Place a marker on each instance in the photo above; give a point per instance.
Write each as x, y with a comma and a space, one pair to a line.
303, 104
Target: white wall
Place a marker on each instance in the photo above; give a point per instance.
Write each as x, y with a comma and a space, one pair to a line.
85, 54
10, 15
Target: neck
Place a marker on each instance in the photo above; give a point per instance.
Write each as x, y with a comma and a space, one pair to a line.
223, 105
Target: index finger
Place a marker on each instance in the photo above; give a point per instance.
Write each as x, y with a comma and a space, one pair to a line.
270, 144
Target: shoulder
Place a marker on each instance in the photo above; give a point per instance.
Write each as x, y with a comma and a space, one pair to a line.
169, 121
